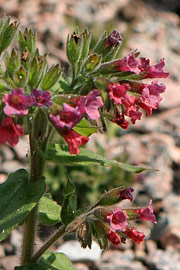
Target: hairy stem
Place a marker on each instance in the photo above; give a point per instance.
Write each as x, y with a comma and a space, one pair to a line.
50, 241
36, 171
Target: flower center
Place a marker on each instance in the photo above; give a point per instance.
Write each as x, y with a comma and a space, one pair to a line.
40, 99
16, 100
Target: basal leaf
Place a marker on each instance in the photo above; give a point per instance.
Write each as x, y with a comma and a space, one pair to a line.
17, 198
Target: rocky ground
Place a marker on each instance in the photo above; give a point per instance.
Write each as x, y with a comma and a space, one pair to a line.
152, 27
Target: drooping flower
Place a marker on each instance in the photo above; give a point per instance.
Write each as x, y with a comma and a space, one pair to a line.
118, 219
114, 238
42, 98
135, 235
17, 103
74, 140
146, 213
90, 104
9, 132
114, 39
155, 71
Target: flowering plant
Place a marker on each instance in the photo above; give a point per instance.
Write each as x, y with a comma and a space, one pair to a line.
39, 101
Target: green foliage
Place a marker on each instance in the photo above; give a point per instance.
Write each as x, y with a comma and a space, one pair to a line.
27, 40
48, 211
49, 261
51, 77
7, 32
17, 198
91, 181
85, 128
56, 153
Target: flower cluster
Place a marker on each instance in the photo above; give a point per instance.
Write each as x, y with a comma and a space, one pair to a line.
119, 228
130, 96
118, 223
105, 222
125, 94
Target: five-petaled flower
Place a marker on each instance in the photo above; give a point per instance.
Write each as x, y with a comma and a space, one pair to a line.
17, 102
118, 220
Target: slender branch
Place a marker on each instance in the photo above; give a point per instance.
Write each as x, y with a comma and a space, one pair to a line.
51, 241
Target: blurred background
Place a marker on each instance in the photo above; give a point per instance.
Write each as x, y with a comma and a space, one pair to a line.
152, 27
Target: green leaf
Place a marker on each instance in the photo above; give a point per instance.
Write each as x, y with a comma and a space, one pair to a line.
17, 198
49, 261
60, 154
69, 203
48, 211
7, 33
51, 77
84, 128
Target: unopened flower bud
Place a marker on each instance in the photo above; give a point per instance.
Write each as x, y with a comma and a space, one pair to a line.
115, 195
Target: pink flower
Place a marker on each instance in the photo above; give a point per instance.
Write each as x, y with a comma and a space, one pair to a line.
117, 93
129, 63
74, 140
133, 112
156, 71
16, 102
90, 104
118, 219
138, 237
146, 213
67, 118
9, 132
114, 39
151, 96
114, 238
42, 98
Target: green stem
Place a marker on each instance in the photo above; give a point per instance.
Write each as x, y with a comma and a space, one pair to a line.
51, 241
36, 171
